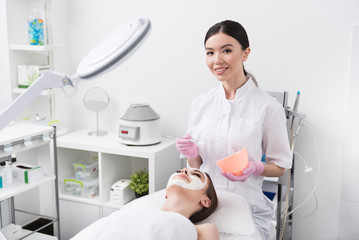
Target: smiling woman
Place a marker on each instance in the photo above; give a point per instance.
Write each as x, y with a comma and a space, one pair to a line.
242, 116
190, 198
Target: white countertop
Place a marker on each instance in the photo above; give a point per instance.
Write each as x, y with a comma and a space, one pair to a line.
109, 143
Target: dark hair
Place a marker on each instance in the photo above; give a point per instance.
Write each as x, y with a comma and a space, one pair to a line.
234, 30
206, 212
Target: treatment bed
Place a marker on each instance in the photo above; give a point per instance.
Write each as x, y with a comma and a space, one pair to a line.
233, 219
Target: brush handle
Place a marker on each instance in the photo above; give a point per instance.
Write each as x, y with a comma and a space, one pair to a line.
191, 140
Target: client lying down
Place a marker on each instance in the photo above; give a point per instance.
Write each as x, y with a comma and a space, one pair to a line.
190, 198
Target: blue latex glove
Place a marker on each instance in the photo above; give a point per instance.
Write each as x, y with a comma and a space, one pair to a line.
186, 147
255, 168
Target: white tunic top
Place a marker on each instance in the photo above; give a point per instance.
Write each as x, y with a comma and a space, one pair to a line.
253, 120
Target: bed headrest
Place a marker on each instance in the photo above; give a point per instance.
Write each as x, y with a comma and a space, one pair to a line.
232, 216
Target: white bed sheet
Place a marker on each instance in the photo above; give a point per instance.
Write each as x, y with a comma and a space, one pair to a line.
140, 224
233, 217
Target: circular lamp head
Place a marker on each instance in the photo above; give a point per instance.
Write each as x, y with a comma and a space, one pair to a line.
112, 50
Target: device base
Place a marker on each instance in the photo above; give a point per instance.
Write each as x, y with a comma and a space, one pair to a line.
96, 133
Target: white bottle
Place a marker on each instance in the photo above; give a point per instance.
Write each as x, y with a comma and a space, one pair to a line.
7, 173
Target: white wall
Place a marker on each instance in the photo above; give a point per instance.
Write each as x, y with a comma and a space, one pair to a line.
302, 45
349, 214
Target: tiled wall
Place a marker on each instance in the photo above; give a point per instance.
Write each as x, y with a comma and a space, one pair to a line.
349, 211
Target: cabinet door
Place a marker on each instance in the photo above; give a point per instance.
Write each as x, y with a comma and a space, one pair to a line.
76, 216
107, 211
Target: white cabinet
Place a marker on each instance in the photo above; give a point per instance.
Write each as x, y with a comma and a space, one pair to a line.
32, 144
76, 216
115, 161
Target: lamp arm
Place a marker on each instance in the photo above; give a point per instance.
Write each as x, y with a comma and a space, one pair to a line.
47, 80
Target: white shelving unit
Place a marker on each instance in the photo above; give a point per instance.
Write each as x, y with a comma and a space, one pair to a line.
116, 161
36, 145
22, 53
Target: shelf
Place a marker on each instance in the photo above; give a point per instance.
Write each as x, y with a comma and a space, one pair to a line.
17, 131
17, 187
19, 233
13, 137
92, 201
271, 179
37, 236
110, 144
48, 92
33, 48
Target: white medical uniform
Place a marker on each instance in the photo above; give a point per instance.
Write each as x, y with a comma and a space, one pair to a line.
253, 120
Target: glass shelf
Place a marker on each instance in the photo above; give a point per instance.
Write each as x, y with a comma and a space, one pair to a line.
17, 187
34, 48
92, 201
47, 92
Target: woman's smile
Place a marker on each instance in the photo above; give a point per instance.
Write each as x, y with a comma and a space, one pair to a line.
220, 70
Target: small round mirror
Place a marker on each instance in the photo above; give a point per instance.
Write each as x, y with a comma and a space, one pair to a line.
96, 100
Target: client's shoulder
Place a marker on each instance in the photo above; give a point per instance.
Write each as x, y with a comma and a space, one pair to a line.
207, 231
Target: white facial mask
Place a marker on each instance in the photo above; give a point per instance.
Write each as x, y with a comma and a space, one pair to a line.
195, 184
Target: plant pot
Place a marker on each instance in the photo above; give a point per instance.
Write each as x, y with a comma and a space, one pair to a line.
137, 195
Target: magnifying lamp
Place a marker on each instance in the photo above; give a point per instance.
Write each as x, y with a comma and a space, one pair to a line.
108, 54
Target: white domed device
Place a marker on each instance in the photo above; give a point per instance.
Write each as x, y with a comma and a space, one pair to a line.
106, 55
140, 125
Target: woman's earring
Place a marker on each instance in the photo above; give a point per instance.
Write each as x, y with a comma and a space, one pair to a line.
166, 196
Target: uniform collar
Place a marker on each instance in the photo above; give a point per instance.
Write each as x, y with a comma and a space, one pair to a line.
240, 92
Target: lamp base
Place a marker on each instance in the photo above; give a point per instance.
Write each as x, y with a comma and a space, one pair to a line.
96, 133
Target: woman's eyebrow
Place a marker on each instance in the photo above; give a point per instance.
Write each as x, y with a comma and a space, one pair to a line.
224, 46
227, 45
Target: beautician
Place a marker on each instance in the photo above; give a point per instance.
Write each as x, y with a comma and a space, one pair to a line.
237, 114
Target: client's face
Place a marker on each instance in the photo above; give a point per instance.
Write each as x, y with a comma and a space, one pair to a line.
189, 178
194, 189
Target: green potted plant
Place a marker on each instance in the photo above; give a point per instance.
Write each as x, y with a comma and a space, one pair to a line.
139, 183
